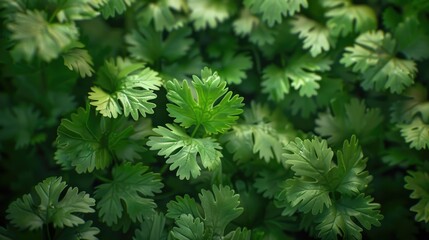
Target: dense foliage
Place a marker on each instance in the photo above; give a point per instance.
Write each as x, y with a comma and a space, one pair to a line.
214, 119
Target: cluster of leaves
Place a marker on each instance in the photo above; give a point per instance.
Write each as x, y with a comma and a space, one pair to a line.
311, 119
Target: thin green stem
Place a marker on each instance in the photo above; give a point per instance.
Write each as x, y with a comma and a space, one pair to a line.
195, 130
101, 178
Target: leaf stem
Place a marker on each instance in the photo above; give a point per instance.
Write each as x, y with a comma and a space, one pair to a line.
101, 178
195, 130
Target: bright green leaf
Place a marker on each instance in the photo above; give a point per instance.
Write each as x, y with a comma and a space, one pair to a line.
418, 182
416, 133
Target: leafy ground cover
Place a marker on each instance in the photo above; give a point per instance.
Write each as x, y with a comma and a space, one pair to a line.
214, 119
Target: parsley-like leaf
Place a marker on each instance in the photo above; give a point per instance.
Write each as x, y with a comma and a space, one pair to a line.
373, 55
50, 206
151, 46
188, 228
273, 10
218, 208
78, 59
87, 142
209, 13
184, 152
345, 17
83, 231
205, 102
418, 182
232, 68
34, 35
352, 118
78, 10
152, 228
124, 88
130, 188
112, 7
315, 35
416, 133
340, 219
21, 124
302, 73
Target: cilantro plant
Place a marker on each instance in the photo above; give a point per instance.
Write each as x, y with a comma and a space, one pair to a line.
214, 119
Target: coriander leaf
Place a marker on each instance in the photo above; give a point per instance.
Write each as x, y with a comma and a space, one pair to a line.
232, 67
311, 159
373, 55
352, 118
415, 47
209, 13
307, 196
244, 25
273, 10
351, 169
112, 7
220, 207
345, 18
124, 87
188, 228
261, 132
87, 142
340, 219
78, 10
152, 46
184, 152
211, 105
239, 234
161, 13
268, 182
183, 205
130, 188
22, 124
50, 205
83, 231
34, 35
316, 36
78, 59
152, 228
418, 182
416, 133
301, 73
415, 104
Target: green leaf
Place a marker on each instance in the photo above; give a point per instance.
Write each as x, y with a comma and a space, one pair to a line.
208, 103
316, 36
33, 36
239, 234
87, 142
416, 133
78, 10
268, 182
311, 159
130, 188
152, 46
124, 88
246, 23
188, 228
83, 231
209, 13
152, 228
112, 7
351, 169
301, 73
220, 207
161, 13
345, 18
21, 124
418, 182
273, 10
50, 205
182, 205
354, 118
373, 55
78, 59
415, 47
184, 152
307, 196
232, 68
340, 219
